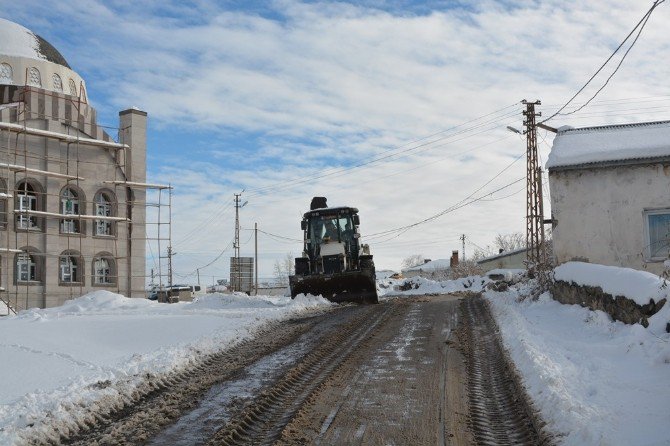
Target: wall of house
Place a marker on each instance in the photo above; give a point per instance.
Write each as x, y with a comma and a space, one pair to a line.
599, 213
511, 261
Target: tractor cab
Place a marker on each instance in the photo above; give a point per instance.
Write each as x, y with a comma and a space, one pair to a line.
333, 263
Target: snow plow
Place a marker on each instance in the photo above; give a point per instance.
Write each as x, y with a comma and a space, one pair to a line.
334, 264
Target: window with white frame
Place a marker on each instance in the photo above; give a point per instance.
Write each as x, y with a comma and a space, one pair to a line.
103, 271
69, 269
658, 233
69, 205
26, 202
103, 208
26, 268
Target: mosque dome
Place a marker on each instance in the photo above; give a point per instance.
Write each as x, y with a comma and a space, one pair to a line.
15, 40
30, 60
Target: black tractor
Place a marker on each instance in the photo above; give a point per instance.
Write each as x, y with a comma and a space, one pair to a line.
334, 263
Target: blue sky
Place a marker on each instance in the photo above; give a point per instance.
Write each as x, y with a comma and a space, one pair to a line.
249, 95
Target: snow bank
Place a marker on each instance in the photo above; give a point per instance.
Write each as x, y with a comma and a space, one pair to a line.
508, 274
639, 286
419, 285
53, 360
595, 381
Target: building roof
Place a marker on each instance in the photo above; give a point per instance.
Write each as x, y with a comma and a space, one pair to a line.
16, 40
502, 255
607, 144
433, 265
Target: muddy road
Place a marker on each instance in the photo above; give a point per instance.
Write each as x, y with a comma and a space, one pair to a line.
427, 370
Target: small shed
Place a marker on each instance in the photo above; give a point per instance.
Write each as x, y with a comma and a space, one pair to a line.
610, 195
513, 259
432, 269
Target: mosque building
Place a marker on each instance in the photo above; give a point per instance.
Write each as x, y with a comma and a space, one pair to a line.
72, 196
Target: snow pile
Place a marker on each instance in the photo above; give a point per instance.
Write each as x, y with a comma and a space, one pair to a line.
595, 381
508, 274
420, 285
96, 349
609, 143
639, 286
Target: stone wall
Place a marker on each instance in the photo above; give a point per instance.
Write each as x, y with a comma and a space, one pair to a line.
619, 308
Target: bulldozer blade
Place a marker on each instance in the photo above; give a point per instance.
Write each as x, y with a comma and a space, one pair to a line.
355, 287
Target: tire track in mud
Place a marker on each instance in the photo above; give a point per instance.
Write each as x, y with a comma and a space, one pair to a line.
500, 411
135, 416
263, 421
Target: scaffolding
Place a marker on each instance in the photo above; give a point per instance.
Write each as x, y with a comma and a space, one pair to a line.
35, 172
161, 276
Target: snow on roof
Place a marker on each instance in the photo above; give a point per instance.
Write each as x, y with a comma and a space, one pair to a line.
609, 143
433, 265
16, 40
502, 254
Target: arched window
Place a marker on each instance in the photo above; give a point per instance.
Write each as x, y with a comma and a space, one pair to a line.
57, 82
69, 205
104, 206
29, 265
26, 267
34, 78
69, 268
6, 74
104, 269
28, 198
73, 88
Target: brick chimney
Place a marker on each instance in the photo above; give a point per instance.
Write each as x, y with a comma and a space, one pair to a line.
453, 261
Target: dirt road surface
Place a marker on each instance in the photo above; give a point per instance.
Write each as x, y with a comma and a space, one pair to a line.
427, 370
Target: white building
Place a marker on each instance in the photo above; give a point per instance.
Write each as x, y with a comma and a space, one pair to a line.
610, 195
514, 259
72, 197
438, 269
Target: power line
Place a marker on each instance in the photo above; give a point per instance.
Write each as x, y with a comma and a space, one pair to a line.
300, 180
407, 227
445, 211
276, 235
641, 24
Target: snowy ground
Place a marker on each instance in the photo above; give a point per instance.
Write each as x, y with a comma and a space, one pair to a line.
595, 381
57, 361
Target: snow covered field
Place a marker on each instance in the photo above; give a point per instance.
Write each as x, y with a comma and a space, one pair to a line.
595, 381
56, 362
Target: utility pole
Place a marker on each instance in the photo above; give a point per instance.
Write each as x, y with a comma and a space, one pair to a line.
169, 257
536, 254
236, 245
198, 271
462, 239
256, 258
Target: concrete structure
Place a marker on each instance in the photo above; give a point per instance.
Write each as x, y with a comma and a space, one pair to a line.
69, 221
505, 260
609, 195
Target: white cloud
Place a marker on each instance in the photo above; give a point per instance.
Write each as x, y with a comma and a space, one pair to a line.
331, 83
